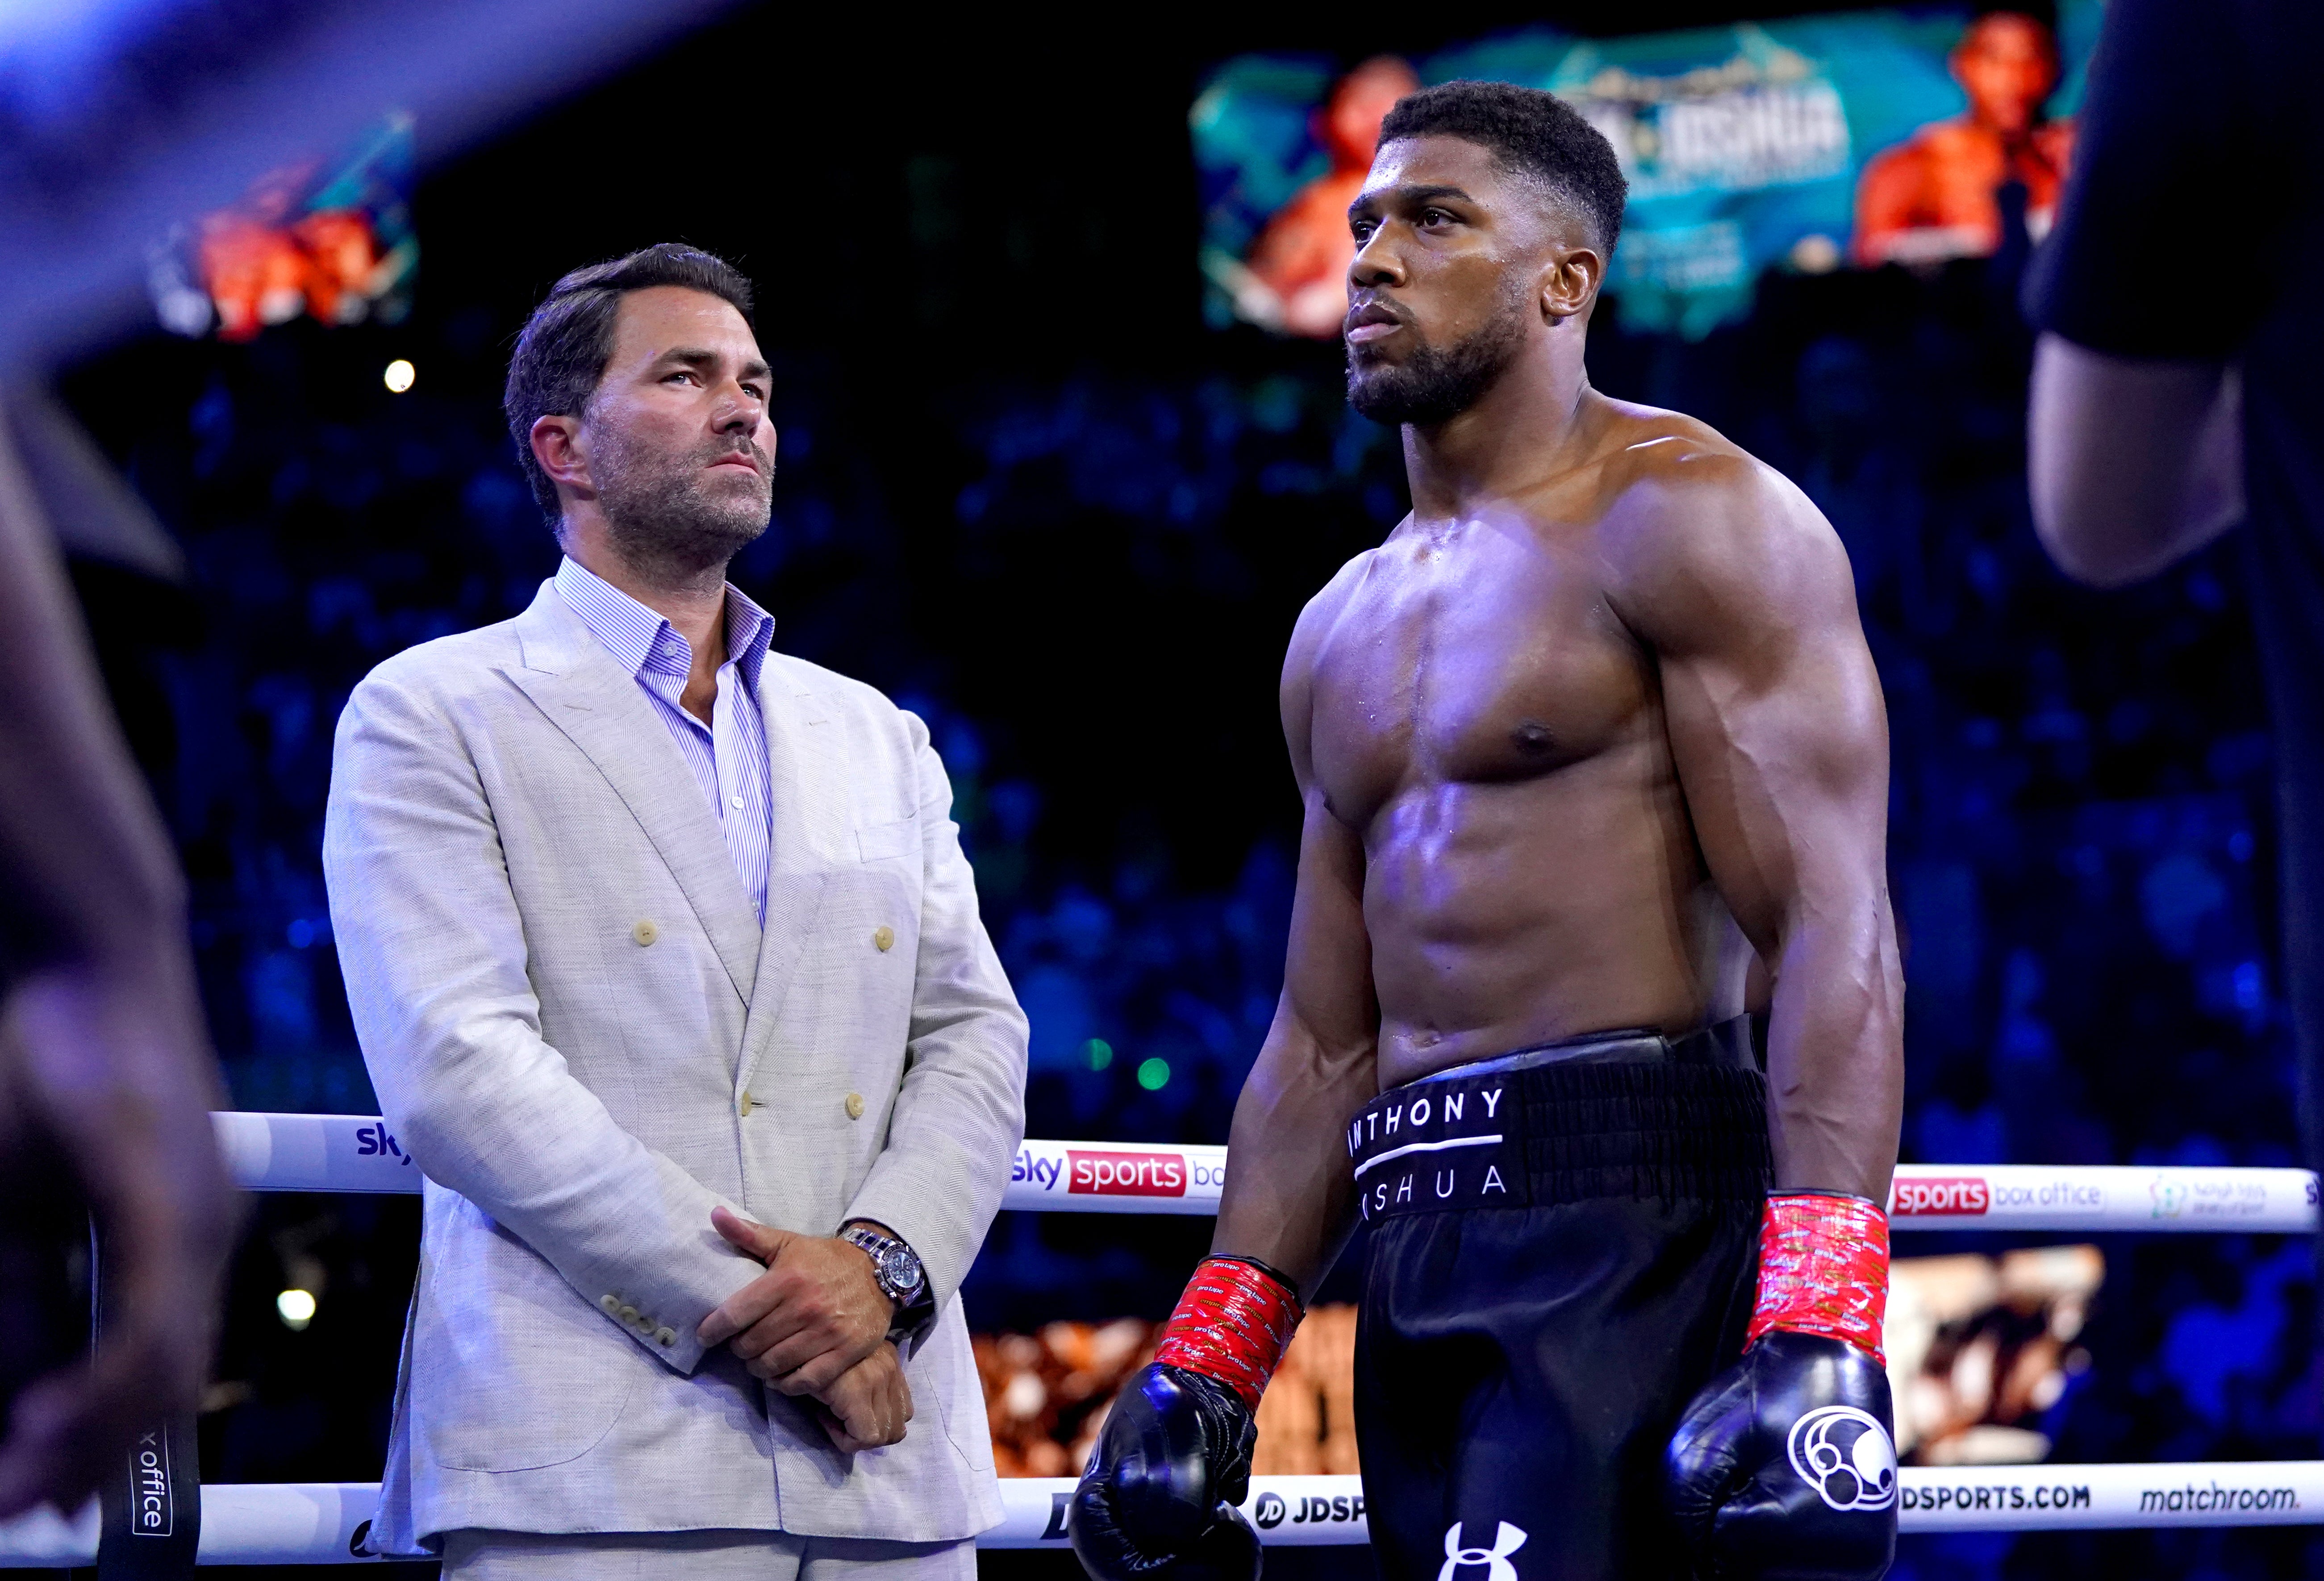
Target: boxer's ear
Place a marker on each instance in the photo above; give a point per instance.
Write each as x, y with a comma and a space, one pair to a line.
1570, 282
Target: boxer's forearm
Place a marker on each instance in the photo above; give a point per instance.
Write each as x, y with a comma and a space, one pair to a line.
1289, 1199
1835, 1048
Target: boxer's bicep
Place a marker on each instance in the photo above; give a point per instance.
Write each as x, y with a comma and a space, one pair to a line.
1772, 705
1779, 738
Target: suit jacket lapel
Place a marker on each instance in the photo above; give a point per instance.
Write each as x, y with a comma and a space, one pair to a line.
808, 832
573, 680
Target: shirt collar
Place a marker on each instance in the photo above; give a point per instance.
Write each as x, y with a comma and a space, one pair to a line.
642, 639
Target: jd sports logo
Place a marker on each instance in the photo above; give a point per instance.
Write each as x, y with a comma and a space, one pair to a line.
1845, 1455
1270, 1511
1506, 1540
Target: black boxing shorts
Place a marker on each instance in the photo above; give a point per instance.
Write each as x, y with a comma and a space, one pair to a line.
1562, 1250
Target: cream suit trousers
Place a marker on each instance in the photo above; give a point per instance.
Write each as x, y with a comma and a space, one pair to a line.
699, 1556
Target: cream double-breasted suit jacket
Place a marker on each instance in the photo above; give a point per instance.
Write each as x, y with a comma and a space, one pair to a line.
581, 1034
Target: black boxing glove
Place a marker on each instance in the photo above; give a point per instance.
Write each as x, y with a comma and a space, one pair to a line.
1174, 1458
1785, 1468
1159, 1500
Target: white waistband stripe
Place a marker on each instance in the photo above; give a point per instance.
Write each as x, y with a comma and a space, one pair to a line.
1424, 1147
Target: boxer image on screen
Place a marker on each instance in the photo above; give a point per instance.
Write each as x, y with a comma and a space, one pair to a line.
1594, 762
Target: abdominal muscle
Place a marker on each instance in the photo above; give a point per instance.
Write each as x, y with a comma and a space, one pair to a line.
1503, 916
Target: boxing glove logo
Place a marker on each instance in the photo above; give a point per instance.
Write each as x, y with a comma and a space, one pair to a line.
1506, 1540
1845, 1455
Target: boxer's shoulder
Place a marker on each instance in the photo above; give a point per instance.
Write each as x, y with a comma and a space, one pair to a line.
1698, 534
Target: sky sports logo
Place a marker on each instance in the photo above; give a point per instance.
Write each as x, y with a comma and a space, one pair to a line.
1957, 1196
1125, 1174
376, 1140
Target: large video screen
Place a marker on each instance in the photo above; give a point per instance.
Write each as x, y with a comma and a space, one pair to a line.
1813, 144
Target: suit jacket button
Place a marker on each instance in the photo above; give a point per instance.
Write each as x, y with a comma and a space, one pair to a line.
629, 1314
883, 937
854, 1106
645, 933
611, 1304
666, 1337
744, 1104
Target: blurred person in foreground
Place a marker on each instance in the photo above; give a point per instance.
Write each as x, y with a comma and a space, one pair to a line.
667, 965
107, 1078
1589, 746
2169, 405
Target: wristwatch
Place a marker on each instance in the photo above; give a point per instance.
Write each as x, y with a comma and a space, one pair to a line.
897, 1269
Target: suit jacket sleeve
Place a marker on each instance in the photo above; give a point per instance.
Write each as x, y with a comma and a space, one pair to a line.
434, 954
959, 1113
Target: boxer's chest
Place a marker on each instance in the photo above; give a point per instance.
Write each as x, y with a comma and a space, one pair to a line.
1489, 656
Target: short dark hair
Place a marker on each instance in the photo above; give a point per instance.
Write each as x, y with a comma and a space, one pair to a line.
1529, 131
562, 352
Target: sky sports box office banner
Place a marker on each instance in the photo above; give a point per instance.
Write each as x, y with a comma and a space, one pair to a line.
1808, 143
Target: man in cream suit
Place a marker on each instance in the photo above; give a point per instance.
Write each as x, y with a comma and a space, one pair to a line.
667, 965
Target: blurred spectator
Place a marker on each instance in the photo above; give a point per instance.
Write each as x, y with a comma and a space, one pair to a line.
1047, 1393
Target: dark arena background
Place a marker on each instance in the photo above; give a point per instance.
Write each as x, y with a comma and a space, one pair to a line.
1039, 482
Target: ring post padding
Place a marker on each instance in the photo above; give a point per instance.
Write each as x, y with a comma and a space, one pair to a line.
152, 1506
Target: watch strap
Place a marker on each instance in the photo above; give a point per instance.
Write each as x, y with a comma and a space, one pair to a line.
877, 1246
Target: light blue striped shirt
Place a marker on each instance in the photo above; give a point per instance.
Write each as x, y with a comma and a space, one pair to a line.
729, 755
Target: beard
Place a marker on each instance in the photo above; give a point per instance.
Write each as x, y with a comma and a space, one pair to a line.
664, 512
1437, 383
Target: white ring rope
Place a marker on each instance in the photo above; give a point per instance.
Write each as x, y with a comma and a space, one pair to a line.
316, 1523
357, 1153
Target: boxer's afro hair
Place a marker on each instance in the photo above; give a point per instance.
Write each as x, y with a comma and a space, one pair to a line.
562, 351
1529, 131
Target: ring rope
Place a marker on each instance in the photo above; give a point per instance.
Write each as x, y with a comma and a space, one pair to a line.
357, 1152
320, 1523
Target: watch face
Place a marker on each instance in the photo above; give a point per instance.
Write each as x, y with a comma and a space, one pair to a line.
899, 1271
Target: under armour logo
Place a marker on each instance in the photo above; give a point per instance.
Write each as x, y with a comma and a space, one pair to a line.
1845, 1455
1506, 1540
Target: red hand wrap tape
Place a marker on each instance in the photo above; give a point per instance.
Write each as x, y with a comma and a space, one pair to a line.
1823, 1269
1233, 1324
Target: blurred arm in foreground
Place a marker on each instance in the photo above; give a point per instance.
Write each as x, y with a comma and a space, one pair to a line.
105, 1066
2133, 463
2157, 380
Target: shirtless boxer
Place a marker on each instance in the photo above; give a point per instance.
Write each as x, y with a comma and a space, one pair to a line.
1589, 741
